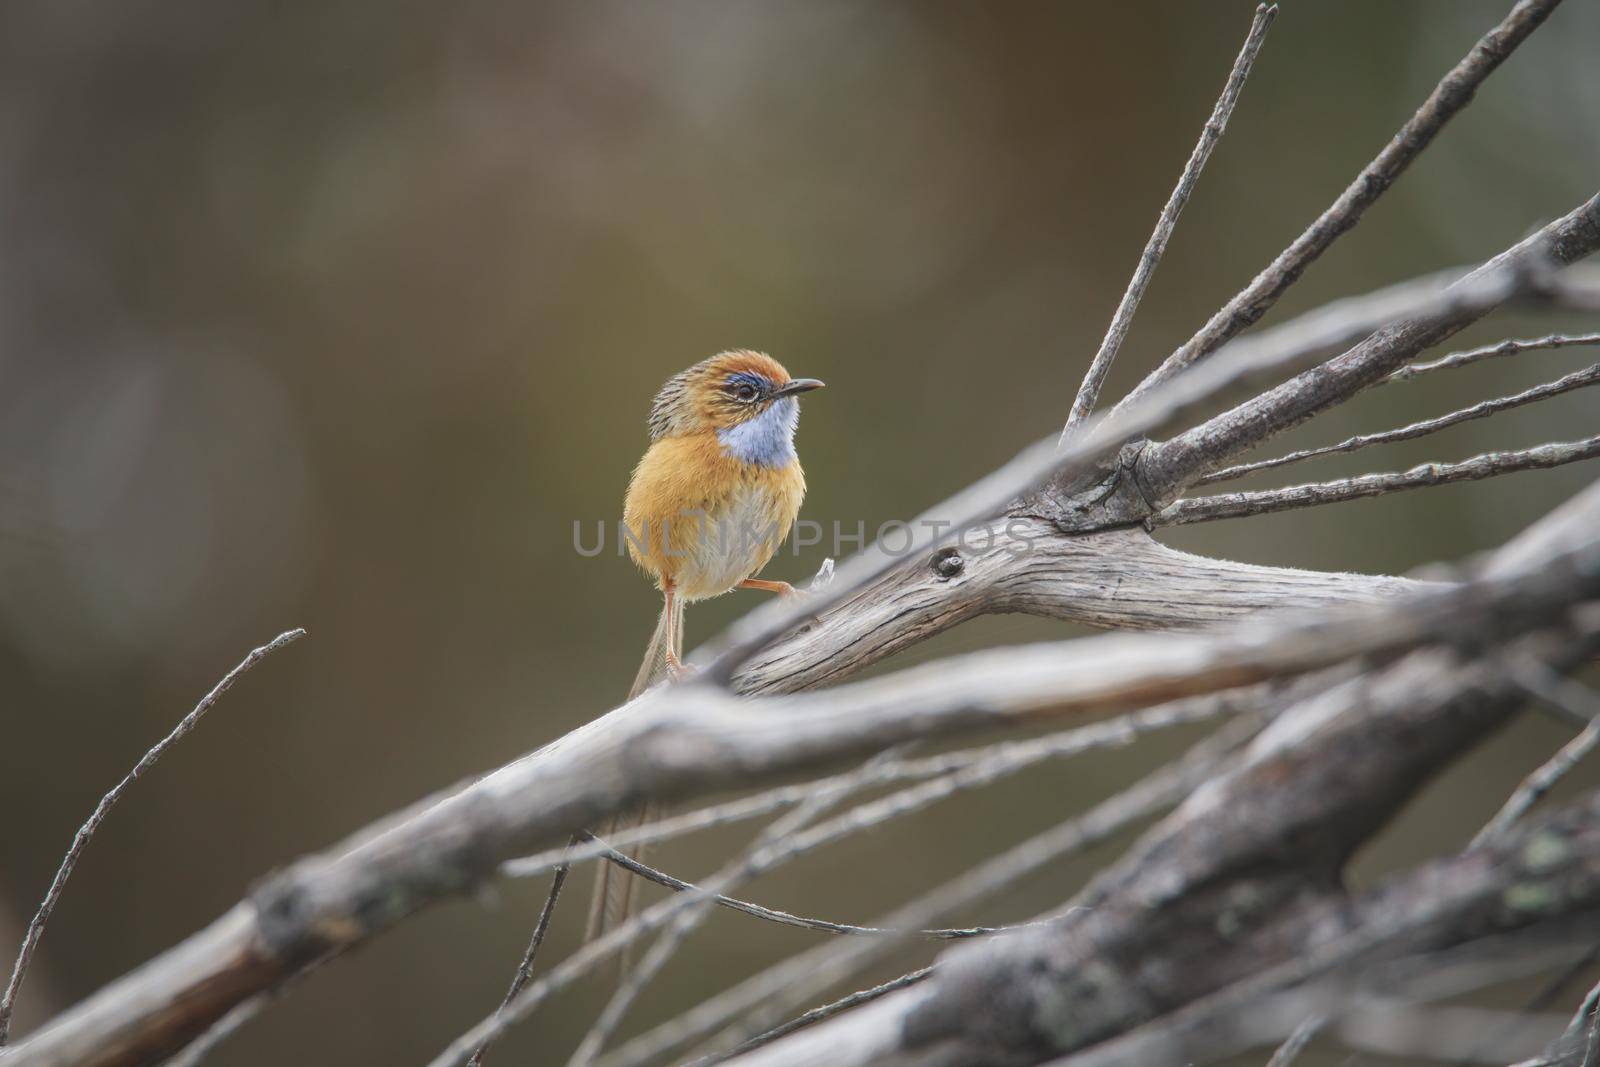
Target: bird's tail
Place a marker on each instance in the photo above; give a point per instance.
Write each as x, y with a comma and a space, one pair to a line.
613, 899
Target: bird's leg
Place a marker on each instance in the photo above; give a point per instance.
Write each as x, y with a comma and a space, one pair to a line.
675, 665
781, 588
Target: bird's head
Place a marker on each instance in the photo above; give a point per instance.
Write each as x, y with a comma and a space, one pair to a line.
746, 398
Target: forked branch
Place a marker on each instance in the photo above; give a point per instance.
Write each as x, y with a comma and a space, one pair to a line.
80, 841
693, 739
1423, 476
1454, 91
1499, 350
1566, 384
1095, 378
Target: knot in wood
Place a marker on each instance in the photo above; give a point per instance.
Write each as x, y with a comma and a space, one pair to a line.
947, 563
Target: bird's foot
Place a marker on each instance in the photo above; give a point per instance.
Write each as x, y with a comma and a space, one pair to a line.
677, 670
781, 588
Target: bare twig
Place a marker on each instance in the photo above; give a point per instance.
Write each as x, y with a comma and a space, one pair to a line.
80, 840
701, 901
1296, 1042
1319, 782
525, 967
349, 894
1566, 384
1565, 698
982, 765
1345, 976
817, 1015
1588, 1020
1314, 494
683, 741
1438, 303
1494, 351
1094, 380
1542, 780
763, 858
225, 1027
785, 918
1454, 91
1167, 467
800, 976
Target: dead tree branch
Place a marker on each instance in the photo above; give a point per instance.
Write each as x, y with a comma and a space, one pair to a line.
1494, 351
707, 740
80, 840
1095, 378
1454, 92
1221, 904
1541, 781
524, 971
1060, 535
784, 918
1565, 384
1167, 467
1422, 476
799, 976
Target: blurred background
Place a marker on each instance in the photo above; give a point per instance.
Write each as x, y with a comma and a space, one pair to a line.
340, 315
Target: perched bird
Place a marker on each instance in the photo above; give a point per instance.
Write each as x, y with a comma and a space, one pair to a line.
708, 505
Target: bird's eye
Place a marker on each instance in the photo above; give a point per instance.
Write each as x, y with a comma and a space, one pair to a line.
746, 393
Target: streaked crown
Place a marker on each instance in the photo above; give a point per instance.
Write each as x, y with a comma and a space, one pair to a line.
722, 393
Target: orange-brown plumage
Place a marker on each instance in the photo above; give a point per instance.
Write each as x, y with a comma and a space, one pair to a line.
701, 521
711, 501
702, 513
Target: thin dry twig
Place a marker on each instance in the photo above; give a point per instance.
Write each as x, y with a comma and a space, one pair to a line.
817, 1015
1001, 757
768, 621
896, 804
1305, 341
1339, 979
1541, 781
1422, 476
1454, 91
701, 900
1095, 378
1565, 384
80, 840
1588, 1018
678, 885
1547, 261
525, 967
802, 975
1296, 1042
1495, 351
197, 1050
225, 1027
652, 918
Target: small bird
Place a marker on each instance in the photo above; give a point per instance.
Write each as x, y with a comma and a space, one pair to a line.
708, 505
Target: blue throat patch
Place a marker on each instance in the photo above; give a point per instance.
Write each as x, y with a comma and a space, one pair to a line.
766, 440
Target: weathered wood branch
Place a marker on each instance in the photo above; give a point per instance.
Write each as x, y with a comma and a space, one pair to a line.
1223, 888
691, 739
1498, 350
1070, 551
1066, 485
1454, 92
1120, 579
1094, 379
1166, 468
1580, 379
1423, 476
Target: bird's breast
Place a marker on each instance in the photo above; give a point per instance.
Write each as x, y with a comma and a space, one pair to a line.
704, 521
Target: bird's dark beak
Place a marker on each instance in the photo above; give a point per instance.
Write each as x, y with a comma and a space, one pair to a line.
798, 385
